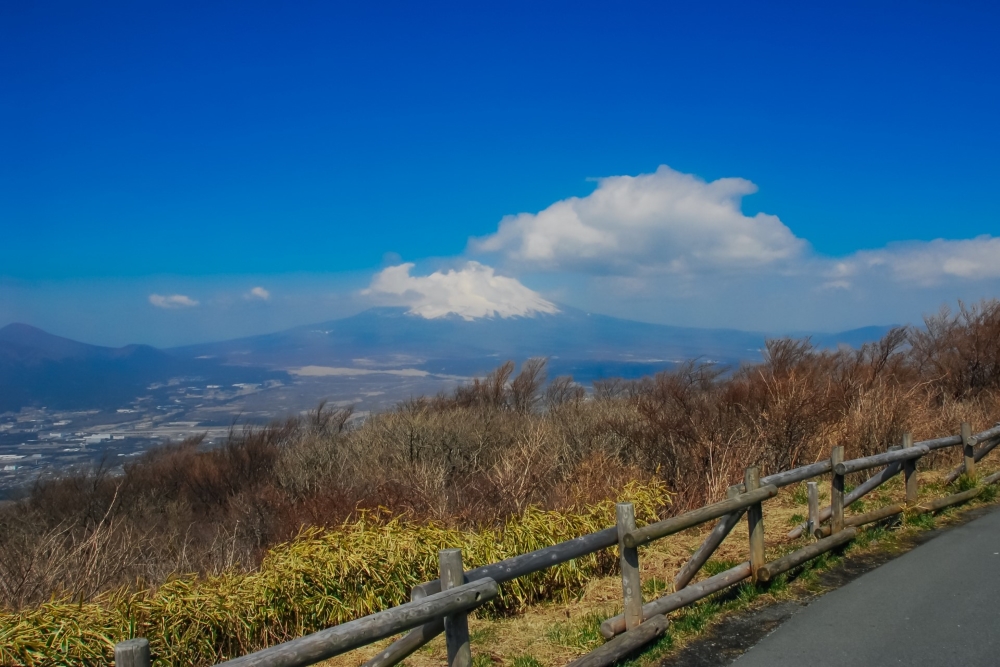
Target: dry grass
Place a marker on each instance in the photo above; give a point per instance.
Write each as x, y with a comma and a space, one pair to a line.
470, 462
555, 633
319, 579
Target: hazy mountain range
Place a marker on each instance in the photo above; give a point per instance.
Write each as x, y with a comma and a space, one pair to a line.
40, 369
392, 338
37, 368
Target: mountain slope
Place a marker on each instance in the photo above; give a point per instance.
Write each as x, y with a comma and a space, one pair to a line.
40, 369
390, 337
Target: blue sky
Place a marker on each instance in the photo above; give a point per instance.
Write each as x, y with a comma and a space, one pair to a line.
202, 150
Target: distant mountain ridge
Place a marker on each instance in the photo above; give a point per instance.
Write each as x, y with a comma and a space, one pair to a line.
27, 344
38, 368
383, 337
389, 333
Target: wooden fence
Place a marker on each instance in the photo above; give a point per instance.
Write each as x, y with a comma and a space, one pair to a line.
442, 605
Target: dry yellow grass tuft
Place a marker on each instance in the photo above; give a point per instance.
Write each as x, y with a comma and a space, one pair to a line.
501, 466
321, 578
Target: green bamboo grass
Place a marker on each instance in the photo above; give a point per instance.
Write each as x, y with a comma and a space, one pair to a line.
319, 579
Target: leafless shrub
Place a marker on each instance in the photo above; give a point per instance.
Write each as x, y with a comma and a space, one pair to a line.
960, 353
563, 390
492, 447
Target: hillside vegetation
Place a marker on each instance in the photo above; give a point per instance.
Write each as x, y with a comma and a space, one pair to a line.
244, 523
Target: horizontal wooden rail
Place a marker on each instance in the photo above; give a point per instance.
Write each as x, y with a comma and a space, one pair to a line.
780, 479
948, 501
400, 649
341, 638
986, 448
803, 473
425, 614
864, 463
529, 563
856, 494
859, 520
655, 531
988, 434
505, 570
940, 443
624, 645
769, 571
616, 624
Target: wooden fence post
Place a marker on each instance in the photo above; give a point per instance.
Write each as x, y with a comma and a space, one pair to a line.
132, 653
969, 450
910, 472
456, 626
629, 557
837, 492
813, 522
755, 522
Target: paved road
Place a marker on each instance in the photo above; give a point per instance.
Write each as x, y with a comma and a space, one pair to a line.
939, 604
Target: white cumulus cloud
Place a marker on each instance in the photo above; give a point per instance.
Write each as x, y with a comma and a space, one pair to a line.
673, 247
666, 221
258, 293
925, 263
471, 292
172, 301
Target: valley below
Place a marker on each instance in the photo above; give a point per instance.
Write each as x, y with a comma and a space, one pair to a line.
66, 404
42, 442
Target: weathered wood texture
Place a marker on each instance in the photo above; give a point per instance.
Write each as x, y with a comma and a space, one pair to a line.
334, 639
988, 434
940, 443
874, 516
857, 493
628, 557
668, 603
837, 490
968, 450
701, 555
400, 649
856, 465
132, 653
812, 523
985, 448
624, 645
784, 478
540, 559
873, 482
780, 479
910, 472
655, 531
859, 520
816, 469
771, 570
755, 521
456, 625
339, 639
518, 566
948, 501
991, 479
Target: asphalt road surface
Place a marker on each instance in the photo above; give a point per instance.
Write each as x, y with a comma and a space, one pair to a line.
939, 604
